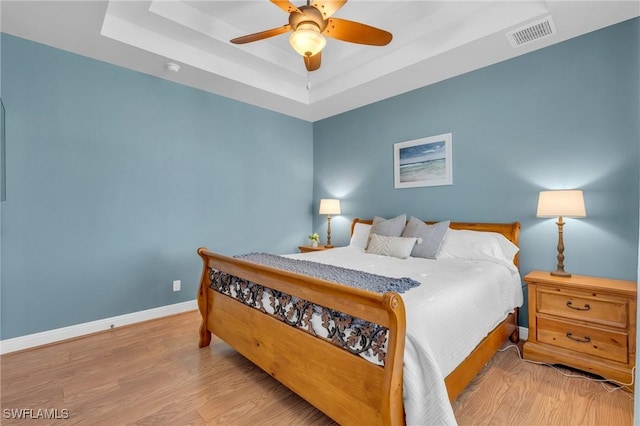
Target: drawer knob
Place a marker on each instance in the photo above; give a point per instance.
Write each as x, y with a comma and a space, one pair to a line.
586, 339
578, 308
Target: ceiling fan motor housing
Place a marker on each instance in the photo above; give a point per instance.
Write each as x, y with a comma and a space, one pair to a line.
307, 14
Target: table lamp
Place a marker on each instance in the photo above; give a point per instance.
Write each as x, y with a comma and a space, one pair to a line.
329, 206
562, 203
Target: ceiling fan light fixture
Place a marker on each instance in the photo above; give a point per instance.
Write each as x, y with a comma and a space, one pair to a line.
307, 40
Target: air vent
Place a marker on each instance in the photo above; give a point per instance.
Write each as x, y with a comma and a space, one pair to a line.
532, 32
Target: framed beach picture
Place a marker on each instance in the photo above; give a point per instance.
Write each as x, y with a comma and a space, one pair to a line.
423, 162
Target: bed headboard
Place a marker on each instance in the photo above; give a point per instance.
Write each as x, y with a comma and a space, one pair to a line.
510, 230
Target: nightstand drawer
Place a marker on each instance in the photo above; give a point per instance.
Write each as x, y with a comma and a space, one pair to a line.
583, 306
595, 341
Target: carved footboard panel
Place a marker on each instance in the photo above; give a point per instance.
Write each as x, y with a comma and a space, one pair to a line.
345, 386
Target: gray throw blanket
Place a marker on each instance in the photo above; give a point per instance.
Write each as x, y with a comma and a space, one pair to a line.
337, 274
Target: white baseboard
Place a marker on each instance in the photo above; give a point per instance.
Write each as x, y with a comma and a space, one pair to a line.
524, 333
59, 334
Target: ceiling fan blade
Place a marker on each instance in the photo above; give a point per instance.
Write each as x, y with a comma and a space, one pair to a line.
313, 62
286, 5
261, 35
355, 32
328, 7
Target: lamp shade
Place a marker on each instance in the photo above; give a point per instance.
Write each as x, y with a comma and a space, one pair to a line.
329, 206
566, 203
307, 40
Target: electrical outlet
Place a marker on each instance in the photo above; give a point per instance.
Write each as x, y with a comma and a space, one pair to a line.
176, 285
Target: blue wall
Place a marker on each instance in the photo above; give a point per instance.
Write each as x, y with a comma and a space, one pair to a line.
115, 178
562, 117
2, 178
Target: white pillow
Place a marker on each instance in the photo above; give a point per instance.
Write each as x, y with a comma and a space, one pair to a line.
399, 247
476, 245
360, 236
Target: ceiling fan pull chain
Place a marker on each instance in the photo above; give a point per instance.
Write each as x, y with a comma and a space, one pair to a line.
308, 80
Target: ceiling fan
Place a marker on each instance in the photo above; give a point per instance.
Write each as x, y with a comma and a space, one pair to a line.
311, 22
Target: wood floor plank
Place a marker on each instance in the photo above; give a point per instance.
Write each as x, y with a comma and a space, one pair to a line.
153, 373
541, 395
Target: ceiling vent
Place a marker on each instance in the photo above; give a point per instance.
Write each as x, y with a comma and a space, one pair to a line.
532, 32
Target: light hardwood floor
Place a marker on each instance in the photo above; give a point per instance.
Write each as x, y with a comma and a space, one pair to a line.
153, 373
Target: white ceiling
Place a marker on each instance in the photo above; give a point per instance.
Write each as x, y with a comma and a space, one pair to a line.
432, 41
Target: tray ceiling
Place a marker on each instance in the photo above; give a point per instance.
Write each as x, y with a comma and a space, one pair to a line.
432, 41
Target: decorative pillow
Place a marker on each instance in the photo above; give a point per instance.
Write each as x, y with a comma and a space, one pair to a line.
388, 227
476, 245
360, 236
391, 246
431, 235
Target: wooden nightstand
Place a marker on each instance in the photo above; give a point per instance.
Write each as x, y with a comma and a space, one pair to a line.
307, 249
583, 322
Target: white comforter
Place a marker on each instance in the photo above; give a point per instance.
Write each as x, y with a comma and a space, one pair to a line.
457, 304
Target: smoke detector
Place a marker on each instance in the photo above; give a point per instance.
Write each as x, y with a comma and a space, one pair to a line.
172, 67
531, 32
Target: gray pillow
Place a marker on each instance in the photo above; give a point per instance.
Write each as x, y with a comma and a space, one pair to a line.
388, 227
432, 237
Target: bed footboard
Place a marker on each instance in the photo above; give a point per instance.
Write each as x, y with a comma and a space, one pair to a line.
346, 387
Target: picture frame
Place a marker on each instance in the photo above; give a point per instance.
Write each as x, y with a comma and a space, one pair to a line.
423, 162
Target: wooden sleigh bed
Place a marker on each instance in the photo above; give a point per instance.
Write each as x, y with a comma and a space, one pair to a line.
346, 387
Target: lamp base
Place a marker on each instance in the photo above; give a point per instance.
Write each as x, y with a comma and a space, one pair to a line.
560, 272
329, 246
